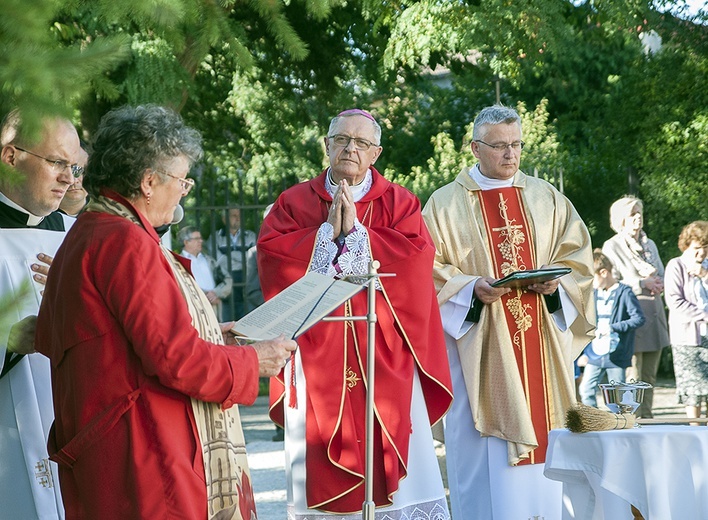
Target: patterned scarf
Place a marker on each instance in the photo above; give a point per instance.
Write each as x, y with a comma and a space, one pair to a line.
228, 479
640, 255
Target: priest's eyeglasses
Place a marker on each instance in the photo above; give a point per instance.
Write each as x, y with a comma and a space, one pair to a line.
344, 140
58, 164
501, 147
186, 183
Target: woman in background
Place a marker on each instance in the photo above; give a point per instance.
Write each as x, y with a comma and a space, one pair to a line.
637, 264
687, 299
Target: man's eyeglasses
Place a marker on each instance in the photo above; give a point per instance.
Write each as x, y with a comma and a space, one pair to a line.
516, 145
344, 140
186, 183
58, 164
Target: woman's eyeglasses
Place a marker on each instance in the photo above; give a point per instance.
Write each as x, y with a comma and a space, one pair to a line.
186, 183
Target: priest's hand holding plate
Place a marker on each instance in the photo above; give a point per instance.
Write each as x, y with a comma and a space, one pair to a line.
487, 294
546, 288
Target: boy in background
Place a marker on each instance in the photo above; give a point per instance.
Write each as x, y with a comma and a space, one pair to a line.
618, 316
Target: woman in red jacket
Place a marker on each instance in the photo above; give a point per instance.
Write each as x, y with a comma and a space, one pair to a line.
144, 388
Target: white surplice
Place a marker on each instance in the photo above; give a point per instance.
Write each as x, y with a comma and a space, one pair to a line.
420, 494
29, 485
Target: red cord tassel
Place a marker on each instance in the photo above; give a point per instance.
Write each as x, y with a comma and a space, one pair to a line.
292, 402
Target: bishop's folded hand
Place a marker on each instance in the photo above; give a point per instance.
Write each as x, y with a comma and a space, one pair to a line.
348, 208
335, 214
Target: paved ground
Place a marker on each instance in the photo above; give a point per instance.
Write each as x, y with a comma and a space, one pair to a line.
267, 460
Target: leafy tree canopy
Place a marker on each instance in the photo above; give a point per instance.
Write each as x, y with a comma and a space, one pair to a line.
261, 78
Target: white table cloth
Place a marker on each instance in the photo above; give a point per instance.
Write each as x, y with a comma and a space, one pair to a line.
662, 470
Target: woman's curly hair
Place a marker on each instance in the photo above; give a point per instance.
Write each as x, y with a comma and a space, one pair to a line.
130, 140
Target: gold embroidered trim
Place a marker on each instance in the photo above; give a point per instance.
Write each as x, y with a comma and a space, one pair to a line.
523, 320
43, 473
511, 239
352, 379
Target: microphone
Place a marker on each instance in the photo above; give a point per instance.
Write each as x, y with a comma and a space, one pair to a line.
178, 215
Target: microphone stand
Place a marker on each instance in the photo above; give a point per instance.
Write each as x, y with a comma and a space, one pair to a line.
369, 506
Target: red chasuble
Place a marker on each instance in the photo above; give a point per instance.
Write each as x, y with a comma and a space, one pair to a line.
509, 241
408, 334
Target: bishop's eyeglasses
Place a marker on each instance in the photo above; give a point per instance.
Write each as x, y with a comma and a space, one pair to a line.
344, 140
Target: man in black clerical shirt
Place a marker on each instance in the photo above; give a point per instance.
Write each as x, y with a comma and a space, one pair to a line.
46, 169
36, 172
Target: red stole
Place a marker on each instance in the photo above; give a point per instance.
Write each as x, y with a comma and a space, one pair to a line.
512, 250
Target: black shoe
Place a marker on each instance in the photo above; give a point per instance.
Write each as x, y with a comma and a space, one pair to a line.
279, 435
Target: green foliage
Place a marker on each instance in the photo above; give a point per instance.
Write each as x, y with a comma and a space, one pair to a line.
11, 307
261, 79
440, 169
58, 56
39, 75
154, 75
542, 152
611, 100
418, 107
498, 34
676, 179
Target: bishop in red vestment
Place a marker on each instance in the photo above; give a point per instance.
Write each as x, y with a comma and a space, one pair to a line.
335, 224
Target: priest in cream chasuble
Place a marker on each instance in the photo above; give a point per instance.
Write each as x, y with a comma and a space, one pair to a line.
496, 360
512, 368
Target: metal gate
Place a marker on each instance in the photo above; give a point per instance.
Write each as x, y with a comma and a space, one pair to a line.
207, 209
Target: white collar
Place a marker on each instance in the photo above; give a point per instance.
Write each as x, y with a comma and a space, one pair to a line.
32, 220
358, 190
487, 183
